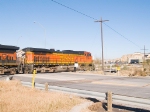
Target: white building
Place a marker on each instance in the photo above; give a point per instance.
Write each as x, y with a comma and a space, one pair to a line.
136, 56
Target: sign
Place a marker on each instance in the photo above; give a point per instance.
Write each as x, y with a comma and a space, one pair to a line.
118, 68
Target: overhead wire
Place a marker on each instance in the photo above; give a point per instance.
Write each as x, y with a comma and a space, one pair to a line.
122, 35
73, 9
96, 20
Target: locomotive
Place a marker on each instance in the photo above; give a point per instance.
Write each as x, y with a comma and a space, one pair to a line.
8, 59
13, 60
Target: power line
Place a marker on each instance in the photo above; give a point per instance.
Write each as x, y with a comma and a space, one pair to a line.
73, 9
122, 36
96, 20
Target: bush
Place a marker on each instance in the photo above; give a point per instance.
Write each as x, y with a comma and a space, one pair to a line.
138, 72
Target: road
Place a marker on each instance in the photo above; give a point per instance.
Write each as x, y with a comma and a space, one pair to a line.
129, 86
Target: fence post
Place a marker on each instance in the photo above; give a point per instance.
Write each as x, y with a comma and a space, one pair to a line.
46, 86
109, 101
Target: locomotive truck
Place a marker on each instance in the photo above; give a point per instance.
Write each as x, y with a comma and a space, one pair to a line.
13, 60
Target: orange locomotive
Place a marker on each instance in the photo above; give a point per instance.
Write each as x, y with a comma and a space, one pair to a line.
45, 60
26, 60
8, 59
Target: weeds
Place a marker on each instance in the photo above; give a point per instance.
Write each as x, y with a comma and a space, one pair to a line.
137, 72
16, 98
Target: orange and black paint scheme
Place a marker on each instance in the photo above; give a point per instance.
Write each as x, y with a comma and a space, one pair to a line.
8, 59
41, 60
47, 60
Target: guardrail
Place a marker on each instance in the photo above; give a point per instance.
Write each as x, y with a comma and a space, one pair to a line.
116, 99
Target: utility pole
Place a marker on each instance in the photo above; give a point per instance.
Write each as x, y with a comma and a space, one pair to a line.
101, 21
144, 53
144, 57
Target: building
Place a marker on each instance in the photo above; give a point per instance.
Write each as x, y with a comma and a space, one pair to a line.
136, 57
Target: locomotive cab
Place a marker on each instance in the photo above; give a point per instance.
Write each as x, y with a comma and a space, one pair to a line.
8, 59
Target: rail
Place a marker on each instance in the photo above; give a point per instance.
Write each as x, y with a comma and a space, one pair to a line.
116, 99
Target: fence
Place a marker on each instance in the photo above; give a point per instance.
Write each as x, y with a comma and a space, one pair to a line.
111, 98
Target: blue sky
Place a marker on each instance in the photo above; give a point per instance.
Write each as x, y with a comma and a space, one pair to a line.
65, 29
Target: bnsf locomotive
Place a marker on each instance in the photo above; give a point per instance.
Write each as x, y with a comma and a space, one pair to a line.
8, 59
13, 60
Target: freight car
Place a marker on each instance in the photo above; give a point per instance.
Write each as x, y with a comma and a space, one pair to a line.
8, 59
49, 60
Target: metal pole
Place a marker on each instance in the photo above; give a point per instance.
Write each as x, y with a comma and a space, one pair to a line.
144, 56
101, 21
144, 53
102, 47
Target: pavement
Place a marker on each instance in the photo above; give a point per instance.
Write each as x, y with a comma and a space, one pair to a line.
122, 85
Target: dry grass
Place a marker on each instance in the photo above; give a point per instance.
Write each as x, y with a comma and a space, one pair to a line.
95, 106
133, 72
138, 72
16, 98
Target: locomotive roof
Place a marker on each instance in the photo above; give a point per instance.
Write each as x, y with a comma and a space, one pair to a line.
8, 47
36, 49
52, 51
73, 52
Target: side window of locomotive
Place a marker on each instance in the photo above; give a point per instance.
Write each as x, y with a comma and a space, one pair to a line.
89, 54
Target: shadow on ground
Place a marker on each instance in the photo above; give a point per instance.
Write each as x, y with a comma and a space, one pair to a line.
102, 107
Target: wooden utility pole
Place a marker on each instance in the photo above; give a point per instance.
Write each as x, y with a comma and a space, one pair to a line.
101, 21
144, 53
144, 57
